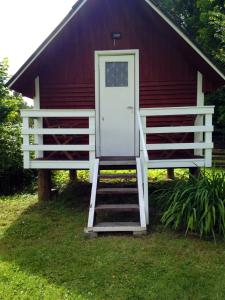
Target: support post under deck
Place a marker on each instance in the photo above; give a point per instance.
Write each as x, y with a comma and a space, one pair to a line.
171, 173
73, 176
195, 172
44, 185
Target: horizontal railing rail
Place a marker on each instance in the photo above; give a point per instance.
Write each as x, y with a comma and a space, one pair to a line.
36, 130
202, 129
177, 111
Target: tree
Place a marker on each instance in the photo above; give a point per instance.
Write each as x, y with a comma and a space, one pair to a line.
204, 20
10, 103
12, 175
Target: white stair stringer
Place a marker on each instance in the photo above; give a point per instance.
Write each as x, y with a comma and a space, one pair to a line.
141, 195
95, 227
93, 194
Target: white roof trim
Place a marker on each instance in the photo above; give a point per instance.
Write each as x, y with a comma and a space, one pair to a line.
48, 41
168, 21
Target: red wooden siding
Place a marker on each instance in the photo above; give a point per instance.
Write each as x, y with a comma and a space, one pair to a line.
76, 96
167, 78
165, 94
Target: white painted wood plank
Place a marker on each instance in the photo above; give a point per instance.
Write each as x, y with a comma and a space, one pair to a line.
37, 98
59, 131
199, 136
200, 94
58, 113
26, 153
93, 194
38, 123
92, 153
60, 165
142, 205
58, 147
146, 194
179, 146
176, 163
179, 129
208, 139
142, 138
120, 228
38, 139
176, 111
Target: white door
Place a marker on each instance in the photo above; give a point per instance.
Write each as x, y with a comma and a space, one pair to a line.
117, 105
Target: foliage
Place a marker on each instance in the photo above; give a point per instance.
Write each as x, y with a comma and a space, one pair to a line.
10, 103
3, 78
204, 20
44, 255
196, 205
10, 149
12, 175
217, 99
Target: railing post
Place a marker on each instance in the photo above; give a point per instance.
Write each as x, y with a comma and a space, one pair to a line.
38, 123
199, 136
144, 127
199, 121
141, 194
146, 200
208, 139
145, 170
93, 194
26, 142
92, 143
38, 139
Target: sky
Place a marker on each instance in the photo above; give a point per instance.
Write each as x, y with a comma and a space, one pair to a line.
24, 24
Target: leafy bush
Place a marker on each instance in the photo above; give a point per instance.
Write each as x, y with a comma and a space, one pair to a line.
13, 177
196, 205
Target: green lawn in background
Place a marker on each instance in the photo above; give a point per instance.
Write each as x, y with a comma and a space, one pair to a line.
44, 255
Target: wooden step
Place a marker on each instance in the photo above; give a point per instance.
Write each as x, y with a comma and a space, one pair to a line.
117, 208
118, 158
118, 227
109, 191
119, 176
118, 163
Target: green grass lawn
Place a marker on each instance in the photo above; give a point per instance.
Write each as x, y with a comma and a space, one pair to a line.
44, 255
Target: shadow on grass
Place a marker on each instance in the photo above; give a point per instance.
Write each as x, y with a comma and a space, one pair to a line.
47, 241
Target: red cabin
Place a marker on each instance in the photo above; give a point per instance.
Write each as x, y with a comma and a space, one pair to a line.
118, 85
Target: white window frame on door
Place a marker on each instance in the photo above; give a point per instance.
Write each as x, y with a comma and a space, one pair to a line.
99, 54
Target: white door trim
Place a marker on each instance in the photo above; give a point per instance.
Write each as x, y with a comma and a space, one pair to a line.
98, 54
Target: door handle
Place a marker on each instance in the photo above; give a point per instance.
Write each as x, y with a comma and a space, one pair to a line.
130, 107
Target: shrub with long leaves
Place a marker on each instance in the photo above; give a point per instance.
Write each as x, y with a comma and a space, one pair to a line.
196, 205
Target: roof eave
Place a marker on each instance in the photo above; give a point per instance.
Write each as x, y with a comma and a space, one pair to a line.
46, 42
73, 12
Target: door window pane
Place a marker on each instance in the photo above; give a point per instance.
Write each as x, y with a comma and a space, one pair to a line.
116, 74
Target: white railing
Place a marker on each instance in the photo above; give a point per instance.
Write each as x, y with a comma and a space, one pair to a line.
202, 129
144, 160
38, 132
